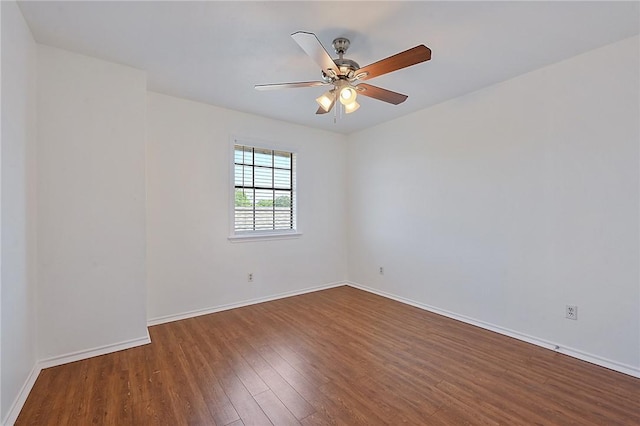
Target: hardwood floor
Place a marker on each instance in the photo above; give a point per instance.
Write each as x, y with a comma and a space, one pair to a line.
339, 356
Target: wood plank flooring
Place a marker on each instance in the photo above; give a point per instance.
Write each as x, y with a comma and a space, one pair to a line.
339, 356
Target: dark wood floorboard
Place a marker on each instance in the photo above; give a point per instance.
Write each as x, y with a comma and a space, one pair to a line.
334, 357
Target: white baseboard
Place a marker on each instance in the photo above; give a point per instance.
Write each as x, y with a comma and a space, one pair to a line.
214, 309
18, 403
557, 347
90, 353
15, 408
14, 411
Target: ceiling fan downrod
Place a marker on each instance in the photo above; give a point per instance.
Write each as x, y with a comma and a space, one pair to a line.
347, 66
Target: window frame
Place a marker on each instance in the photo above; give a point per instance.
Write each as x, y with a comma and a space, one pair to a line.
261, 235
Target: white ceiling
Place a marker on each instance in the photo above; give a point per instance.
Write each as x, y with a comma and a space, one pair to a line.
215, 52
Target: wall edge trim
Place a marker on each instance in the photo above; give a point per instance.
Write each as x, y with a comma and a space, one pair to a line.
21, 398
92, 352
556, 347
226, 307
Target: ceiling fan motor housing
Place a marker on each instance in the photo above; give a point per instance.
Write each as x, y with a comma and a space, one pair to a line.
346, 70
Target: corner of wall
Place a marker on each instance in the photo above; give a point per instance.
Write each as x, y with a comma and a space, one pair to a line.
17, 212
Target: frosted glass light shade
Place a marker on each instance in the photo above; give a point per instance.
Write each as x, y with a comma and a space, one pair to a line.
348, 95
351, 107
326, 100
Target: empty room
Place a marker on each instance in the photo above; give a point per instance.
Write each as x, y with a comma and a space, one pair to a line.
320, 213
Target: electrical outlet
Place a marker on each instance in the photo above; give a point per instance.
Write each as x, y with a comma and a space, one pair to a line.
572, 312
381, 270
250, 277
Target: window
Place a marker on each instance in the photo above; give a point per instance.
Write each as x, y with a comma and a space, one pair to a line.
264, 187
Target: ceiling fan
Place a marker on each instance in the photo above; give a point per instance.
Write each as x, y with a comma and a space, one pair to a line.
346, 75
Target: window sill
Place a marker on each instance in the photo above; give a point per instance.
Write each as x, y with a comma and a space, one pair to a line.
245, 238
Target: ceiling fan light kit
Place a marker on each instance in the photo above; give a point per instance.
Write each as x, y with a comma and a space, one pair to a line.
346, 75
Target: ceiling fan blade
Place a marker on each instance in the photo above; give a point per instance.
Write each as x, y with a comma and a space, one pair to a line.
381, 94
289, 85
396, 62
312, 46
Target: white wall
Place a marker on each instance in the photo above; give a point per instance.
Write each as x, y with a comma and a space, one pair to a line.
18, 316
506, 204
91, 203
191, 264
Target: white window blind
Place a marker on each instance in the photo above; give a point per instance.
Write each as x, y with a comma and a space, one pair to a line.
264, 182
